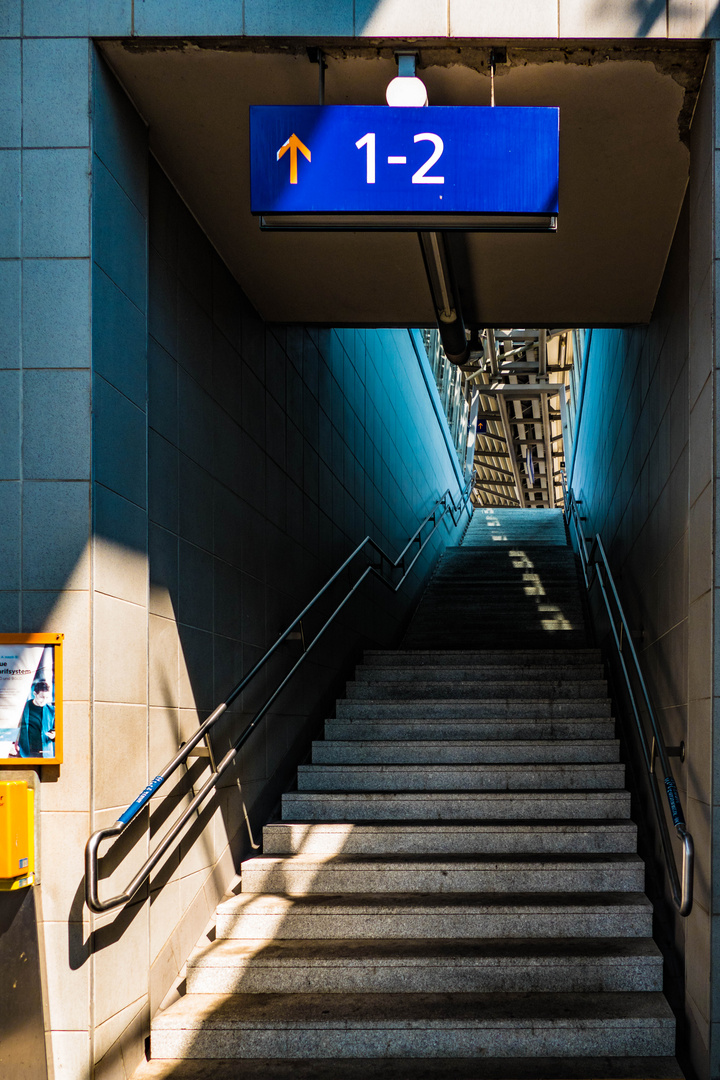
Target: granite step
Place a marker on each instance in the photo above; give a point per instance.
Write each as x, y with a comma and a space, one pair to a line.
339, 1026
457, 805
537, 658
449, 837
475, 751
360, 729
425, 965
452, 916
479, 673
383, 1068
499, 708
307, 874
455, 690
577, 776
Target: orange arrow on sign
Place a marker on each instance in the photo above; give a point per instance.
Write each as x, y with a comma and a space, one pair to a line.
293, 145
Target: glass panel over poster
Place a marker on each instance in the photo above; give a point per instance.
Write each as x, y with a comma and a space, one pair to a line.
30, 699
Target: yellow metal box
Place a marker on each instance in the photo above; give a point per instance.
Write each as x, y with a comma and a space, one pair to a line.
16, 830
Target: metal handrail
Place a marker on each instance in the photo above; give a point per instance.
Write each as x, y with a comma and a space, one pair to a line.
595, 568
445, 505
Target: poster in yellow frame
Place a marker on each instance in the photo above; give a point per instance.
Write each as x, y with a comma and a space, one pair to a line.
31, 701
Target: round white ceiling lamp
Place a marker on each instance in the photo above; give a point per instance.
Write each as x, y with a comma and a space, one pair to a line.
409, 92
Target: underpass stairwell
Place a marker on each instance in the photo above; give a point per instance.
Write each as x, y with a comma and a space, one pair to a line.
453, 889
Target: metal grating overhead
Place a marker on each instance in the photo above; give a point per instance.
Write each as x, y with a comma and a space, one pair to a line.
517, 381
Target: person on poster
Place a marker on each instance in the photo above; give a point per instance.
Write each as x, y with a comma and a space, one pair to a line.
36, 735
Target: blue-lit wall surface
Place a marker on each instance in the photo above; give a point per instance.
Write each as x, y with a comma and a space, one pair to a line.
644, 468
179, 480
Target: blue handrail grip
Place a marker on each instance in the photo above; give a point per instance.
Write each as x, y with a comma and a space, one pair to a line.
144, 797
674, 803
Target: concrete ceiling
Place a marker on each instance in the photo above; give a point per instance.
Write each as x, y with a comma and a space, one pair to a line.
624, 118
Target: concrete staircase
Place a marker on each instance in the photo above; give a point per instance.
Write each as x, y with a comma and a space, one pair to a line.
453, 889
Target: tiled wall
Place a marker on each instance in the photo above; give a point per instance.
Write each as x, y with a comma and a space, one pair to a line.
45, 416
178, 481
644, 469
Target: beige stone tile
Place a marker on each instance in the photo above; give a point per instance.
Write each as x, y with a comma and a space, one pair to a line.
197, 921
697, 961
701, 355
686, 18
120, 571
701, 228
164, 646
698, 816
120, 651
112, 1032
61, 865
70, 1055
164, 737
120, 962
197, 851
195, 669
700, 660
67, 966
65, 613
700, 544
698, 743
611, 19
67, 786
120, 754
164, 971
165, 914
700, 462
514, 19
393, 18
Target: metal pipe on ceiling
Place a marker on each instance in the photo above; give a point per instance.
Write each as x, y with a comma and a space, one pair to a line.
445, 297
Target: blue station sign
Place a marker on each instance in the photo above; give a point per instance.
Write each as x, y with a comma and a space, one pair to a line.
378, 160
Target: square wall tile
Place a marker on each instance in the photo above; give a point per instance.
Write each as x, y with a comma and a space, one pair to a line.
56, 313
120, 137
395, 18
9, 604
77, 18
611, 19
120, 546
10, 94
118, 728
119, 338
513, 19
120, 651
163, 652
56, 195
163, 555
64, 562
186, 17
163, 495
10, 202
56, 425
62, 843
56, 92
10, 537
11, 18
10, 412
119, 442
119, 236
10, 313
162, 389
68, 975
285, 18
120, 965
